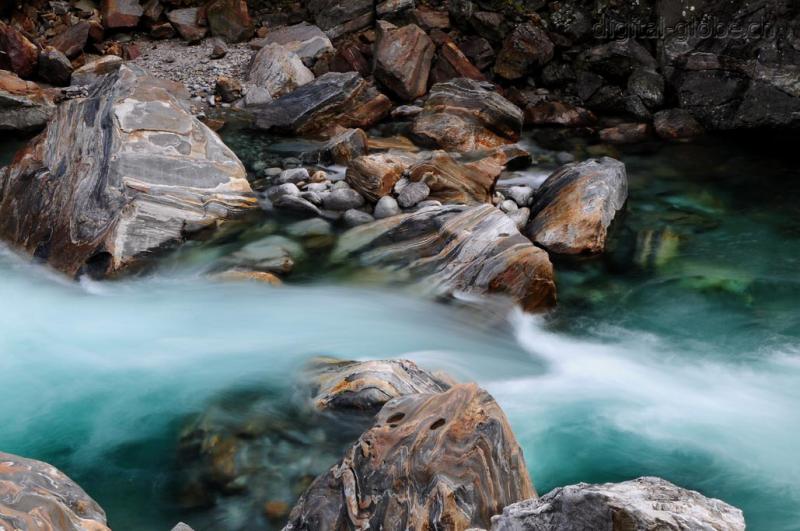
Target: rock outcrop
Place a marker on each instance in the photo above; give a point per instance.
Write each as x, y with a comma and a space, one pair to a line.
644, 504
116, 176
453, 249
467, 115
24, 106
575, 206
431, 461
35, 496
403, 59
278, 70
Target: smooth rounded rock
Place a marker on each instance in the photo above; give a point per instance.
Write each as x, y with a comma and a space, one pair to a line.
386, 207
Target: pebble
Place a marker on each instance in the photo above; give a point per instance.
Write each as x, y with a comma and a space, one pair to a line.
386, 207
520, 217
341, 185
413, 193
429, 203
508, 206
521, 195
400, 184
274, 192
354, 218
293, 175
309, 228
342, 199
318, 187
564, 157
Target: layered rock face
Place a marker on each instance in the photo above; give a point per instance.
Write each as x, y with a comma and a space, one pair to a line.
644, 504
430, 461
117, 176
35, 496
403, 59
575, 206
456, 249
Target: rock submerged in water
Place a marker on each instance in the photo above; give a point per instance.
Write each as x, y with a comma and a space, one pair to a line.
35, 496
644, 504
441, 461
575, 206
485, 253
117, 176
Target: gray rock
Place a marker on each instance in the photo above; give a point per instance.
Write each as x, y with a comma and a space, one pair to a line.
520, 217
648, 86
54, 67
617, 60
412, 194
318, 187
272, 173
314, 198
182, 527
298, 205
309, 228
92, 71
278, 70
273, 254
24, 106
354, 218
255, 96
429, 203
342, 199
521, 195
337, 18
274, 192
508, 206
293, 175
386, 207
307, 41
341, 185
644, 504
400, 184
564, 157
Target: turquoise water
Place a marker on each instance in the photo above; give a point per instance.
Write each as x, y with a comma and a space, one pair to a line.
675, 355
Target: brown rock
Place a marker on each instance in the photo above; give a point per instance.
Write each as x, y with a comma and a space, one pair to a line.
428, 18
677, 124
431, 461
625, 134
403, 59
451, 63
163, 30
451, 182
25, 106
554, 112
479, 51
374, 176
153, 9
186, 22
90, 72
72, 41
528, 46
17, 53
230, 19
243, 275
54, 67
121, 13
229, 89
576, 204
350, 57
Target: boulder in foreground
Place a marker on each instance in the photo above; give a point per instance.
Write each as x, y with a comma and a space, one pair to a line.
430, 461
35, 496
118, 175
644, 504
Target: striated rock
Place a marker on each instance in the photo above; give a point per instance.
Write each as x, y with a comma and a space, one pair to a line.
123, 173
450, 457
35, 496
72, 41
625, 134
307, 41
121, 13
278, 70
644, 504
451, 182
152, 11
393, 9
374, 176
429, 19
337, 18
186, 23
351, 56
452, 63
335, 98
92, 71
17, 53
575, 206
403, 59
273, 254
676, 124
527, 47
466, 115
24, 106
485, 253
229, 19
54, 67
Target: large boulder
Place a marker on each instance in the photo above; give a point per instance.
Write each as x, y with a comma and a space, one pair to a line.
336, 17
485, 253
278, 70
118, 175
644, 504
465, 466
24, 106
121, 13
403, 59
466, 115
527, 47
307, 41
230, 19
575, 206
17, 53
336, 98
35, 496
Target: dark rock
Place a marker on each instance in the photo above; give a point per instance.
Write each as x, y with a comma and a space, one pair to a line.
342, 199
218, 48
17, 54
452, 63
617, 60
676, 124
162, 30
186, 22
121, 13
337, 18
124, 172
393, 10
413, 193
466, 115
152, 11
549, 111
490, 25
35, 496
479, 51
24, 106
230, 19
576, 204
350, 57
297, 205
278, 70
527, 47
646, 504
486, 253
428, 18
403, 59
354, 218
557, 74
625, 134
343, 99
647, 86
72, 41
374, 176
54, 67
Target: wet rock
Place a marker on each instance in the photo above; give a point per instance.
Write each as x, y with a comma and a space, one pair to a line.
307, 41
273, 254
465, 466
386, 207
24, 106
486, 253
35, 496
229, 19
310, 228
403, 59
125, 172
342, 199
186, 23
92, 71
576, 204
182, 527
354, 218
676, 124
617, 60
374, 176
527, 47
54, 67
228, 89
17, 54
121, 13
625, 134
298, 205
247, 275
451, 182
165, 30
278, 70
466, 115
73, 40
646, 504
335, 98
648, 86
337, 18
412, 194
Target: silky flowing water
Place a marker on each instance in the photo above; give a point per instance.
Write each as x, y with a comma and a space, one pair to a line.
677, 354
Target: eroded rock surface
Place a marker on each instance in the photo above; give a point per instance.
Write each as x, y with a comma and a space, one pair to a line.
374, 176
117, 176
35, 496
